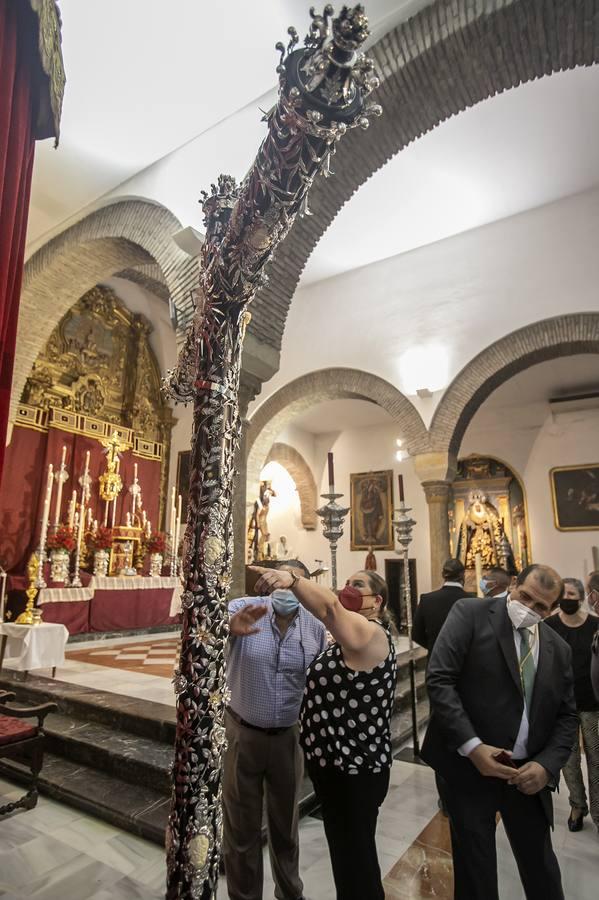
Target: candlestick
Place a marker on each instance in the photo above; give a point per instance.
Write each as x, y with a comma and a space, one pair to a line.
40, 583
400, 483
76, 580
332, 516
177, 534
331, 474
403, 530
72, 506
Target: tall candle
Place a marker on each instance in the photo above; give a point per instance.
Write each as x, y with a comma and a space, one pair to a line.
107, 504
400, 483
128, 519
72, 506
144, 518
81, 518
331, 472
135, 472
113, 512
46, 507
86, 470
148, 528
59, 491
95, 526
89, 516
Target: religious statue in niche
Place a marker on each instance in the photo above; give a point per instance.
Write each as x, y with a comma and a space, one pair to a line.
488, 515
481, 534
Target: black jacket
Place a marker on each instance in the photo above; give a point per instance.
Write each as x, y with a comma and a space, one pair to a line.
474, 689
431, 613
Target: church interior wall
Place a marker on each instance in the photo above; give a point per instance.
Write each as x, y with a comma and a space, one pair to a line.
450, 300
355, 450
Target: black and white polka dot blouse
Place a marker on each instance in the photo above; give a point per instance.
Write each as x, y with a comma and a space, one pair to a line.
345, 718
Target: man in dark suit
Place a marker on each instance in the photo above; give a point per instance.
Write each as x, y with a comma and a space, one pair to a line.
500, 685
434, 608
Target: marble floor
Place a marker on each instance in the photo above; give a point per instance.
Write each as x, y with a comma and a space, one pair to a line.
56, 853
157, 688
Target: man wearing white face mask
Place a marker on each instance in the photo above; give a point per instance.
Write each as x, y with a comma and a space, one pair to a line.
495, 583
273, 641
503, 725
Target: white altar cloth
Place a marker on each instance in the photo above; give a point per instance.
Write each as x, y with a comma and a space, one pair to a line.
33, 646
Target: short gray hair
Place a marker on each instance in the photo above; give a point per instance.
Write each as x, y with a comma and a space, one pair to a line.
577, 585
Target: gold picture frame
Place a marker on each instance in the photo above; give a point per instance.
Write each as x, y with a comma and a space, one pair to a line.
372, 510
575, 497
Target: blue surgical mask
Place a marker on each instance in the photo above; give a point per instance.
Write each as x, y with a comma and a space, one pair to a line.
484, 587
284, 602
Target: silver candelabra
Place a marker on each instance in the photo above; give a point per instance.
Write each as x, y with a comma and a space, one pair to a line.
403, 524
332, 516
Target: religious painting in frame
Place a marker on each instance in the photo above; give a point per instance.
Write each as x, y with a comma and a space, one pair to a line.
575, 494
183, 471
372, 510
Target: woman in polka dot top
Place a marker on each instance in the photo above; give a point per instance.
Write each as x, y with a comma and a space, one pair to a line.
346, 720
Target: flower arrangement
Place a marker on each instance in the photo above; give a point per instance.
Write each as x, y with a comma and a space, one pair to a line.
156, 543
101, 539
62, 539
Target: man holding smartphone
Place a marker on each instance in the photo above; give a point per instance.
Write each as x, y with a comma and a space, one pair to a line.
502, 727
273, 641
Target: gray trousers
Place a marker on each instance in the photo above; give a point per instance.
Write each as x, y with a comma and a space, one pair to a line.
589, 729
259, 766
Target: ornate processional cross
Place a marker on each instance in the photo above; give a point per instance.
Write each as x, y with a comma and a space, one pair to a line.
323, 91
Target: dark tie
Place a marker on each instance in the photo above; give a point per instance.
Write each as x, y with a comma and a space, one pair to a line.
527, 666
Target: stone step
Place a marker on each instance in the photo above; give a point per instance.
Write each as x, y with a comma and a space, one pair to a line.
138, 809
130, 757
117, 711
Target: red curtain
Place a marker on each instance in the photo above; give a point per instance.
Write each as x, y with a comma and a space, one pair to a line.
23, 487
18, 34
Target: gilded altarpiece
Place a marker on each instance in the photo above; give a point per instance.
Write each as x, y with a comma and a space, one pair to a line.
488, 515
98, 363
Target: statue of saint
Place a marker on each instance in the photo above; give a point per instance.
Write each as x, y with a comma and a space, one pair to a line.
482, 532
266, 492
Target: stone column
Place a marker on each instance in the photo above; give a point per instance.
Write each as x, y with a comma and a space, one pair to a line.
437, 498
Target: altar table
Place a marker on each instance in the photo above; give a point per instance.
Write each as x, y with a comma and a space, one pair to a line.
116, 603
25, 647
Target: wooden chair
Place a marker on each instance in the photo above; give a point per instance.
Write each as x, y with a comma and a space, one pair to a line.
23, 742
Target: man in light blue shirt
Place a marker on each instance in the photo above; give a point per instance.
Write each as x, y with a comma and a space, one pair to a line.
273, 641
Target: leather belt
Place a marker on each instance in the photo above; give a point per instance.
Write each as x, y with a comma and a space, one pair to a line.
244, 724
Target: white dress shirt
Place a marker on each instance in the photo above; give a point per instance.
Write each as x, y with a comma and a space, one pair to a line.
520, 750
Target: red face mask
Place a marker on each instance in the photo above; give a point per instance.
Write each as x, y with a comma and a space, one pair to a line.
351, 598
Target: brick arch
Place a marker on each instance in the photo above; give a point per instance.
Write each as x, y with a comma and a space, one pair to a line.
541, 341
296, 397
300, 471
126, 235
445, 59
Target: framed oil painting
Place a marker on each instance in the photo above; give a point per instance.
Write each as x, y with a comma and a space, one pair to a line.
183, 465
575, 493
372, 510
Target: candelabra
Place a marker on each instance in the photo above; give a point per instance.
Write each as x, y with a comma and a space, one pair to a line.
332, 516
404, 524
76, 580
